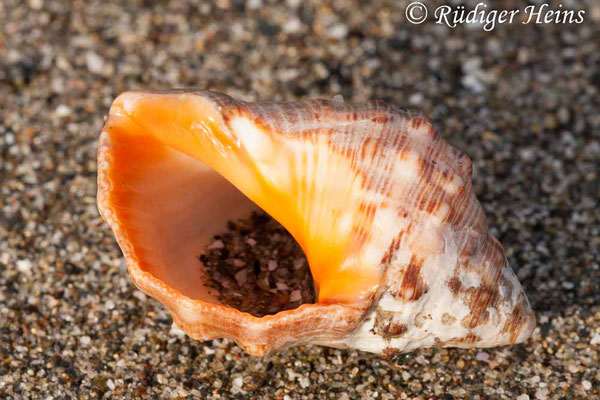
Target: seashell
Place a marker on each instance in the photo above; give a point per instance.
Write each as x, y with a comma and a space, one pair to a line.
381, 206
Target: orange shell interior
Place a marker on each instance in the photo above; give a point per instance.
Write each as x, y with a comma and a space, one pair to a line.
165, 168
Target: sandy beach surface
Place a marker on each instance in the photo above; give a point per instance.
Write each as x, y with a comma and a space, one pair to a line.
522, 100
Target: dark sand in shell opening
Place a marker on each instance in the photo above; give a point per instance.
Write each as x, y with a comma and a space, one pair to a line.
258, 267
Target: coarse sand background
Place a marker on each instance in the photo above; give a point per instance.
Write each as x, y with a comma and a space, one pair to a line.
523, 101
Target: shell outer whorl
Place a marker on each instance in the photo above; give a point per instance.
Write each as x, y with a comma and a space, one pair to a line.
440, 249
442, 246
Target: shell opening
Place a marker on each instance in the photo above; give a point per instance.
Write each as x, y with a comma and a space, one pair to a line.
185, 174
174, 205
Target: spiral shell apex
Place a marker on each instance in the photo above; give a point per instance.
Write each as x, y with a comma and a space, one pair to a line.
381, 206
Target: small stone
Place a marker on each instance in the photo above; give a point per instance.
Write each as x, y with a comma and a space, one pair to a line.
338, 98
296, 295
482, 356
523, 397
563, 115
227, 284
573, 369
24, 265
338, 31
94, 62
63, 111
272, 265
140, 296
568, 285
587, 385
254, 4
251, 242
473, 83
241, 277
416, 99
4, 258
9, 138
321, 70
595, 339
541, 394
175, 330
239, 263
85, 340
110, 384
304, 382
237, 382
36, 4
293, 25
217, 244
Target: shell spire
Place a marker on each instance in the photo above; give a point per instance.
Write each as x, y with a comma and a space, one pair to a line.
382, 207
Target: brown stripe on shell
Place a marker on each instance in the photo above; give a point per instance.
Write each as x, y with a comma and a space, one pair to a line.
394, 246
469, 338
519, 317
380, 119
360, 234
478, 299
413, 285
486, 259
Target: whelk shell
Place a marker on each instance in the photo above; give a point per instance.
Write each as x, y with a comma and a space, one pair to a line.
381, 206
